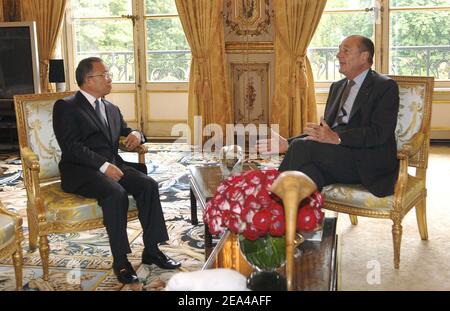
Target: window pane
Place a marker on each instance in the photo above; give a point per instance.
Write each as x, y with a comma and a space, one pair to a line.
110, 40
90, 8
153, 7
333, 28
349, 4
418, 3
168, 53
420, 43
164, 66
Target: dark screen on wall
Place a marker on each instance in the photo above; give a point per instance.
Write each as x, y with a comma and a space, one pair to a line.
16, 65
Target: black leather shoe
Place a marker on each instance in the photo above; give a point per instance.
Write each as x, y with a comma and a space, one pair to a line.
126, 274
160, 259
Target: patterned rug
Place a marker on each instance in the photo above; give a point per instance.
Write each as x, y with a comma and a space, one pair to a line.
82, 261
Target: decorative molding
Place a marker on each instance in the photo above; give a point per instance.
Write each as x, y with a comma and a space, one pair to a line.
239, 47
250, 92
248, 17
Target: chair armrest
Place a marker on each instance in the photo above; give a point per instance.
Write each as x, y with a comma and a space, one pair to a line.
30, 159
412, 146
31, 179
16, 216
140, 149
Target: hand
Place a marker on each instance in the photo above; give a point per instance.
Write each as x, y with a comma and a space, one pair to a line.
321, 134
114, 172
276, 144
132, 140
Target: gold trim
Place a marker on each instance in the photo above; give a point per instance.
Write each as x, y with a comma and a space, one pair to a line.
14, 247
252, 46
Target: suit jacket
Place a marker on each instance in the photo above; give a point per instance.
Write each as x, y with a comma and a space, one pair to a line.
85, 143
370, 132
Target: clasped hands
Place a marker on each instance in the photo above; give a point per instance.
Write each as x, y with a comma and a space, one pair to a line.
321, 133
131, 142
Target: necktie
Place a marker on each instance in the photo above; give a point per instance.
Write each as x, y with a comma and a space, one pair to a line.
342, 112
99, 114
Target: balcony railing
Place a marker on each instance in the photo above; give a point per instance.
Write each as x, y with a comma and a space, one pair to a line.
161, 65
404, 60
174, 65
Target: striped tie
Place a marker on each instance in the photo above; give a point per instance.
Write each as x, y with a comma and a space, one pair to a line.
342, 112
99, 114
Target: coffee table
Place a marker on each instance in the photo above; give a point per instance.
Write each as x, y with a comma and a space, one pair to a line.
316, 267
204, 181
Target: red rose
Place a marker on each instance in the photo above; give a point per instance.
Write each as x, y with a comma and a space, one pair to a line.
236, 225
235, 194
247, 214
306, 219
215, 225
264, 198
251, 233
262, 221
276, 209
254, 177
277, 227
252, 202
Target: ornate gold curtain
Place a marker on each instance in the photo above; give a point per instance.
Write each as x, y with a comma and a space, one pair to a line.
209, 95
294, 101
48, 15
10, 10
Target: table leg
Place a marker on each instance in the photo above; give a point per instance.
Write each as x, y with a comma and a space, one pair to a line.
194, 219
208, 243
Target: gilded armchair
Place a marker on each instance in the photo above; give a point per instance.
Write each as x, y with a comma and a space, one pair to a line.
413, 140
49, 208
11, 237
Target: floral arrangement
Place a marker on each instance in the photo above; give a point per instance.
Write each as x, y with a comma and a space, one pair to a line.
243, 204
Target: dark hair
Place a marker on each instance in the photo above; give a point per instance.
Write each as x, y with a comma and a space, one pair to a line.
367, 46
84, 68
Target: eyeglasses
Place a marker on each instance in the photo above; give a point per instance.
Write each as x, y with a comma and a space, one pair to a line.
106, 75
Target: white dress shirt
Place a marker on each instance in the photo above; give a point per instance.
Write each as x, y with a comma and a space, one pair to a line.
91, 99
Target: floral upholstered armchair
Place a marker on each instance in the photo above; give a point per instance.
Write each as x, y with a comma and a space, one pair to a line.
413, 140
49, 208
11, 237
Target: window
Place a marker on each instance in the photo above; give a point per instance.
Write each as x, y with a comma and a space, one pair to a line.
106, 28
101, 29
168, 53
420, 38
340, 19
416, 34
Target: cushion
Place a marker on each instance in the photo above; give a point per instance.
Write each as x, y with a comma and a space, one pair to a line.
358, 196
68, 208
41, 139
7, 229
411, 112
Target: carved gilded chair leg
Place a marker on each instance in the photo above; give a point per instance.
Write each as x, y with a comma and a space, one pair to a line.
18, 260
44, 251
353, 219
397, 231
33, 232
421, 215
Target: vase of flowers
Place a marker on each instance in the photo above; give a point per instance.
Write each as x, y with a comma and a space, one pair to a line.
244, 204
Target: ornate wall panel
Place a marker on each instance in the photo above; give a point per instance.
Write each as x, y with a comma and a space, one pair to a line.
249, 39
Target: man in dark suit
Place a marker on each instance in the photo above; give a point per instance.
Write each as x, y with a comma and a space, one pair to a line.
88, 128
354, 142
